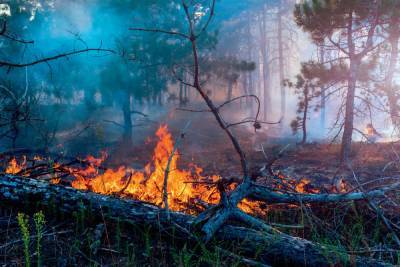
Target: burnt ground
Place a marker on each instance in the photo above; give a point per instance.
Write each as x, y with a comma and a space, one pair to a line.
206, 145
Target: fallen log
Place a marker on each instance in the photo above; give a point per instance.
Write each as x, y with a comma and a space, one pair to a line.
261, 193
277, 249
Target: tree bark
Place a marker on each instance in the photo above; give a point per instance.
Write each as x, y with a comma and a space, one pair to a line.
281, 60
250, 58
349, 113
305, 112
355, 61
323, 93
277, 249
265, 64
351, 91
126, 109
389, 86
230, 90
181, 97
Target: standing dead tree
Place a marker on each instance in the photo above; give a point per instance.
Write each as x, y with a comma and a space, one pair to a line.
211, 220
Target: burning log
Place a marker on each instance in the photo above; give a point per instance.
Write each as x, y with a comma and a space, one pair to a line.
276, 248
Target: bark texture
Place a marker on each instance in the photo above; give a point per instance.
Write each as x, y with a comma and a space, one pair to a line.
276, 248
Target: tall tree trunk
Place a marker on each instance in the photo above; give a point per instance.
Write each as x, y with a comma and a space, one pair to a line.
250, 57
181, 97
264, 56
159, 99
186, 94
389, 85
126, 109
351, 92
323, 93
305, 112
281, 60
245, 89
230, 90
349, 112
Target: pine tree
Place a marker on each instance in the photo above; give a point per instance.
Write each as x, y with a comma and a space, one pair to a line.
350, 27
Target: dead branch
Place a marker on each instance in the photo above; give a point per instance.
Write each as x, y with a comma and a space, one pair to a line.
376, 208
3, 33
160, 31
265, 194
51, 58
168, 167
139, 113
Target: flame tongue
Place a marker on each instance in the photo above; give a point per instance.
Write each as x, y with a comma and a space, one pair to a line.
186, 187
14, 167
147, 185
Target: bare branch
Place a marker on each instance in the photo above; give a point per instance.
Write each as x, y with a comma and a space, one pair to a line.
160, 31
12, 38
212, 8
47, 59
167, 168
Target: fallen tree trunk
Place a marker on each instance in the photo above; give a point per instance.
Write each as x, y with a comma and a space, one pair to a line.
277, 249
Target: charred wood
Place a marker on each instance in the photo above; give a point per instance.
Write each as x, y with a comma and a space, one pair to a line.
275, 248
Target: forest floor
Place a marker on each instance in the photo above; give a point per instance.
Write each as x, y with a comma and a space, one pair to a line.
209, 148
351, 228
354, 228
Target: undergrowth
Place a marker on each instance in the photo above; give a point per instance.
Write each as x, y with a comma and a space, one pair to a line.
80, 240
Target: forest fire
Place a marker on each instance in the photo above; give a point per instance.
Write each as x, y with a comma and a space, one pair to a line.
290, 155
186, 187
14, 167
147, 184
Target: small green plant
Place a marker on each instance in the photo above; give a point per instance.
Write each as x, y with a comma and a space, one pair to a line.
147, 242
183, 257
212, 258
23, 222
398, 257
130, 252
118, 234
80, 217
39, 227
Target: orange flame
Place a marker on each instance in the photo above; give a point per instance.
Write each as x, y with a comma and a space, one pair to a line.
14, 167
304, 186
186, 187
147, 185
